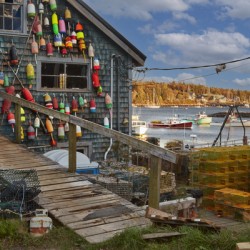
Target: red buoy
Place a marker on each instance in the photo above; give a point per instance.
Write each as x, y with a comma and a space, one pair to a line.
27, 95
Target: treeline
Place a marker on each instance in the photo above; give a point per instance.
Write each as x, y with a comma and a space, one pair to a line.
173, 93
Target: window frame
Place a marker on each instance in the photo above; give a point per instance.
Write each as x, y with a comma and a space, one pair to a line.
23, 20
64, 61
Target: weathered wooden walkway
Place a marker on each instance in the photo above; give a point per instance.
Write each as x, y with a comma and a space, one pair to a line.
90, 210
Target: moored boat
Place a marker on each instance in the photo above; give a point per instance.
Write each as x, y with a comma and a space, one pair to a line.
174, 122
139, 127
202, 118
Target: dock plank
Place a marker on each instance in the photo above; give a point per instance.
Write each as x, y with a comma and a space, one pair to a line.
92, 211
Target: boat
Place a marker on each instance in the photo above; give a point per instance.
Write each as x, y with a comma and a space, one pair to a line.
153, 106
173, 122
202, 118
138, 127
234, 121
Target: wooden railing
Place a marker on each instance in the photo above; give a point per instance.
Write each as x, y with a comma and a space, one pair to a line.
156, 153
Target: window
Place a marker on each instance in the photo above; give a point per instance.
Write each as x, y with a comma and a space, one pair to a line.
11, 15
64, 75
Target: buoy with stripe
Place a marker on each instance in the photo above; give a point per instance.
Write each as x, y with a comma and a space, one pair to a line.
61, 132
23, 118
106, 122
99, 91
78, 131
31, 9
34, 48
67, 108
36, 124
53, 5
13, 55
92, 106
66, 127
55, 102
96, 64
54, 20
91, 54
30, 72
73, 37
31, 134
62, 106
11, 120
42, 44
74, 105
108, 101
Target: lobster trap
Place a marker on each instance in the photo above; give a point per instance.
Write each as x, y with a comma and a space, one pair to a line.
18, 188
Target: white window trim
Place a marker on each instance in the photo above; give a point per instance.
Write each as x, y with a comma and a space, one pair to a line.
61, 60
24, 24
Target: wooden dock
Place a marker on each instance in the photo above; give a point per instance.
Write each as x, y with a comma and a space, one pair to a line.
89, 209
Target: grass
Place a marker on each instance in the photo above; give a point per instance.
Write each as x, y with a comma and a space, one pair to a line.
14, 235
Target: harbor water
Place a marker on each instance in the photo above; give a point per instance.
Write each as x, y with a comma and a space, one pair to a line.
199, 134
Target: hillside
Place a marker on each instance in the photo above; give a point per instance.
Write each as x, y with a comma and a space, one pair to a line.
164, 94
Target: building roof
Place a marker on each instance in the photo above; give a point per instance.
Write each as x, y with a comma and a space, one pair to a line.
138, 57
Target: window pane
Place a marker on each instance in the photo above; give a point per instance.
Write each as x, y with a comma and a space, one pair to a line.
11, 15
64, 76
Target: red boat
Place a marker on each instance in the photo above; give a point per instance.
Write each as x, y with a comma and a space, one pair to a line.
171, 123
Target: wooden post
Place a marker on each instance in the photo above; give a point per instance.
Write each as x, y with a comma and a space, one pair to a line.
72, 148
18, 123
154, 182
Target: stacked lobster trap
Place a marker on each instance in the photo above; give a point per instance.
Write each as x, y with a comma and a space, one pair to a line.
217, 169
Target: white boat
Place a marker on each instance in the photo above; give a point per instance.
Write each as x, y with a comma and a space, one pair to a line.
234, 121
153, 106
202, 118
139, 127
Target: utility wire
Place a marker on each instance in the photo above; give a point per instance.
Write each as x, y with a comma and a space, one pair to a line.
192, 67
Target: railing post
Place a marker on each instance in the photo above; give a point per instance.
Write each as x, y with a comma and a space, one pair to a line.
18, 123
72, 148
154, 181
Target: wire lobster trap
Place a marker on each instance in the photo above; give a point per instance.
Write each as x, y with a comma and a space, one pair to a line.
18, 188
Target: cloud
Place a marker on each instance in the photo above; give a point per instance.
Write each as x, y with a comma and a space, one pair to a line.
184, 16
137, 9
210, 47
242, 82
235, 9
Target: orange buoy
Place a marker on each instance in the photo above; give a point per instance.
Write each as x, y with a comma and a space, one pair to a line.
49, 126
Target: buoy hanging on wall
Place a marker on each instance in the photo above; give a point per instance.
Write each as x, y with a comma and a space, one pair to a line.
67, 14
106, 122
92, 106
78, 131
53, 5
30, 72
61, 132
11, 120
37, 124
13, 55
108, 101
31, 10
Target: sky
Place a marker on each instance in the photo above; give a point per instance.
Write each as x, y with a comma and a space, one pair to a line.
186, 33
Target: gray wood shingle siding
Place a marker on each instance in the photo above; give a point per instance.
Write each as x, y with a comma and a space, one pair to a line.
106, 42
